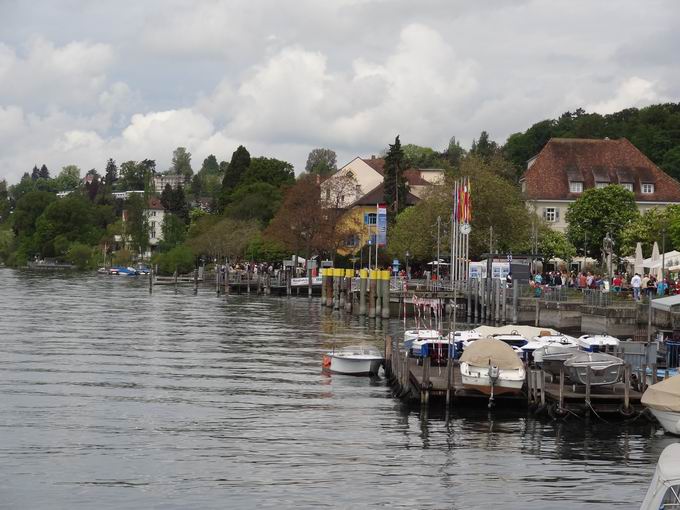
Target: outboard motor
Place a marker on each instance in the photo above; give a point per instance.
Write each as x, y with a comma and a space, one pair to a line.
493, 372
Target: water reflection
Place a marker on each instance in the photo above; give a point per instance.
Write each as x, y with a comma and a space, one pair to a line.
113, 395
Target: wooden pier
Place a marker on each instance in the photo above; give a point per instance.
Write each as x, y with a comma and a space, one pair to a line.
434, 382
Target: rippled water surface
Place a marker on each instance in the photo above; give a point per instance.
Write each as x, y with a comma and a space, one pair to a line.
114, 398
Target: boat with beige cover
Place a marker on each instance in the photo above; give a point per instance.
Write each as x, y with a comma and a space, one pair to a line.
491, 366
663, 400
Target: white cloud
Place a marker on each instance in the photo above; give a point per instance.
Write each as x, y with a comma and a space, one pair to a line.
634, 91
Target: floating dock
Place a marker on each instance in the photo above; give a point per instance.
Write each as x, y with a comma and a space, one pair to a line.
417, 380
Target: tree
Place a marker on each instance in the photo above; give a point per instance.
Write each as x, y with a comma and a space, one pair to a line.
553, 244
336, 225
269, 170
136, 225
64, 222
222, 237
26, 185
68, 179
484, 147
35, 174
298, 222
174, 231
210, 166
240, 161
254, 201
394, 182
645, 229
181, 163
420, 157
454, 152
671, 162
5, 204
598, 211
44, 172
321, 162
92, 184
111, 174
136, 176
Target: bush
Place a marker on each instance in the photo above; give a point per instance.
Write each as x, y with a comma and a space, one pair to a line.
180, 257
80, 255
121, 258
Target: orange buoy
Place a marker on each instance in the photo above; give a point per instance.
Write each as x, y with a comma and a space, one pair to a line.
326, 363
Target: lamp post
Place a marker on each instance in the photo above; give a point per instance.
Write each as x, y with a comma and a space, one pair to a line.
609, 248
408, 269
663, 254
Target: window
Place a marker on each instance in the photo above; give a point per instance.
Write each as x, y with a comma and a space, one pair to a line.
551, 214
600, 185
627, 185
575, 187
370, 218
647, 188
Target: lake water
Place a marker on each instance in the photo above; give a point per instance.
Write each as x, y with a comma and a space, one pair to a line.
114, 398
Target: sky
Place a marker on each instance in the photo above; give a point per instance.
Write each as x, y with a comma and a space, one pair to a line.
82, 81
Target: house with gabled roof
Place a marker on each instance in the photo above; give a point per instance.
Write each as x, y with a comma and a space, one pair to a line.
566, 167
358, 188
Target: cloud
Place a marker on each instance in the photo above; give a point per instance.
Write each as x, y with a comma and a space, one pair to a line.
634, 91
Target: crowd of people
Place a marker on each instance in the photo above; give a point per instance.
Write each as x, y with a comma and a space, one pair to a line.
638, 286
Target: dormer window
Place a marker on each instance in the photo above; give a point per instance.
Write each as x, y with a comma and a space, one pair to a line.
575, 187
600, 185
647, 188
627, 185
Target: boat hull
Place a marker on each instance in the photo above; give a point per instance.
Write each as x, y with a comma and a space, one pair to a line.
355, 366
477, 378
669, 420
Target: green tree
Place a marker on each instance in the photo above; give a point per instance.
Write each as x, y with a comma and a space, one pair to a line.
68, 179
26, 185
5, 204
136, 225
484, 147
174, 231
420, 157
269, 170
28, 209
181, 163
322, 162
645, 229
254, 201
554, 244
44, 172
80, 255
671, 162
111, 174
394, 183
64, 222
598, 211
240, 161
180, 258
454, 152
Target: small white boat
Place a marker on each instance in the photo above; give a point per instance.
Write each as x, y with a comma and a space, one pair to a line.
551, 357
491, 366
598, 368
412, 335
664, 489
598, 343
354, 360
537, 342
663, 400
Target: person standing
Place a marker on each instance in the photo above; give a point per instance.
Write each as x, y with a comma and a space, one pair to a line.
635, 282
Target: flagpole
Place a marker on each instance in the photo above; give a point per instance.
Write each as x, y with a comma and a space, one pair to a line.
454, 232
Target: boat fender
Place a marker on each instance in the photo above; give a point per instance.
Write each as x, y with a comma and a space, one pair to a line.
326, 363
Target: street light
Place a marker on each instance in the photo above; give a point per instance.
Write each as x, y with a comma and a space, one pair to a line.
408, 270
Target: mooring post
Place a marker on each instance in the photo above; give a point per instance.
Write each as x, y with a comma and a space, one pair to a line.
626, 387
226, 277
588, 405
482, 300
643, 379
175, 276
150, 280
655, 376
396, 366
541, 385
468, 311
425, 385
538, 313
504, 303
530, 384
349, 273
449, 378
363, 283
248, 277
475, 301
371, 293
195, 281
497, 298
385, 294
561, 402
515, 292
388, 354
342, 291
217, 279
323, 286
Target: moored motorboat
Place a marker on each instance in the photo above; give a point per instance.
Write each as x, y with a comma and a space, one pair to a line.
354, 360
598, 343
663, 400
491, 366
412, 335
544, 340
594, 368
664, 489
551, 357
461, 339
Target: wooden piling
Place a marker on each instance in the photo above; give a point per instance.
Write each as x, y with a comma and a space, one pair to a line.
468, 311
217, 279
349, 273
515, 296
175, 276
449, 380
561, 402
195, 281
538, 313
588, 405
655, 376
151, 280
497, 299
248, 277
371, 293
226, 277
385, 295
342, 289
644, 377
541, 385
425, 388
504, 303
626, 387
363, 283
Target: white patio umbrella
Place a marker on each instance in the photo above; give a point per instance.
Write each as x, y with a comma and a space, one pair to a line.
638, 259
656, 261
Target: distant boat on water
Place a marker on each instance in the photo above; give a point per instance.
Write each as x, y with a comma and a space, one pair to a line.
49, 265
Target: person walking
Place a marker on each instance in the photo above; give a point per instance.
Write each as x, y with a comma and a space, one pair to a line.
635, 282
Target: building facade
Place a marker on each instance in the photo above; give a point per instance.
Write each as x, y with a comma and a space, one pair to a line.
566, 167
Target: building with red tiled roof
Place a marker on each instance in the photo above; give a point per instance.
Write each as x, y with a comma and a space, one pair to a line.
566, 167
358, 187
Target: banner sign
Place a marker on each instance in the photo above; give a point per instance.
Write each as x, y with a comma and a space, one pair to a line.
382, 224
